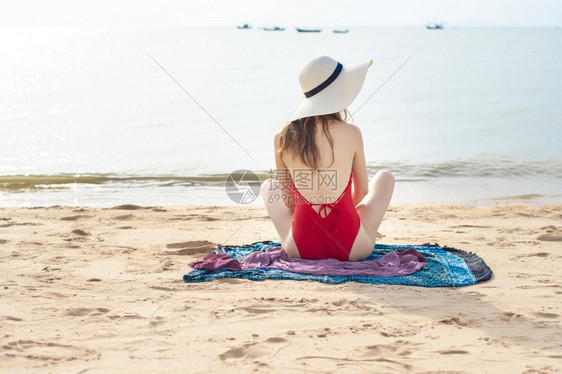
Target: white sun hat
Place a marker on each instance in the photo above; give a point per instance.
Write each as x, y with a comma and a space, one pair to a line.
328, 86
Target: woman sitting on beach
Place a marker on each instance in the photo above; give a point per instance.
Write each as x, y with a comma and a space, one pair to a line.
322, 204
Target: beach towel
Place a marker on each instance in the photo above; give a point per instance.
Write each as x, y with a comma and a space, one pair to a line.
415, 265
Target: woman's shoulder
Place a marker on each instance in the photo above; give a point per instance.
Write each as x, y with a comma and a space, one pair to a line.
279, 133
277, 138
348, 129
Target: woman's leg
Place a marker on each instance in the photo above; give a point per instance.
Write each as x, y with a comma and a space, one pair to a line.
371, 210
280, 215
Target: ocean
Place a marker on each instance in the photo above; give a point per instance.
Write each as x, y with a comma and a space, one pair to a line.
108, 116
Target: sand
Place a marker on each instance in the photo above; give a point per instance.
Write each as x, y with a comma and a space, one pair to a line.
101, 290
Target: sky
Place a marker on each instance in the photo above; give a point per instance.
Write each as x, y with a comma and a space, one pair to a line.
181, 13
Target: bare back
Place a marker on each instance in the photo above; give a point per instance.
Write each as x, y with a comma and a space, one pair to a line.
331, 179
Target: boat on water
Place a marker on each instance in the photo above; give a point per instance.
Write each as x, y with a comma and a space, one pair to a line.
275, 28
343, 31
434, 26
244, 26
308, 30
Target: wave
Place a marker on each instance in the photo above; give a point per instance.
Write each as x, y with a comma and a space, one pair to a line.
404, 171
482, 167
29, 183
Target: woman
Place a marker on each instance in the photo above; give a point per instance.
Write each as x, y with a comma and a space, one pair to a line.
322, 204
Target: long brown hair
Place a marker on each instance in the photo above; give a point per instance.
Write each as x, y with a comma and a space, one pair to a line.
298, 138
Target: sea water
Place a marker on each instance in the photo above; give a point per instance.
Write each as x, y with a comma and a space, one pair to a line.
107, 116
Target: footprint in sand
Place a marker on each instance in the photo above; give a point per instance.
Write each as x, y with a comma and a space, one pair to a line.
246, 351
181, 218
190, 217
254, 350
75, 218
399, 349
546, 315
157, 321
551, 234
81, 312
20, 224
80, 232
357, 306
124, 217
453, 352
528, 255
455, 321
190, 248
48, 351
276, 340
10, 318
540, 254
494, 341
397, 332
510, 316
125, 316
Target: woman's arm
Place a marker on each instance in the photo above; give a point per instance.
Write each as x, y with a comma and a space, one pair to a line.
360, 185
283, 175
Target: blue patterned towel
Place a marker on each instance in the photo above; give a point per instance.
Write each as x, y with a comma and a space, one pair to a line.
446, 267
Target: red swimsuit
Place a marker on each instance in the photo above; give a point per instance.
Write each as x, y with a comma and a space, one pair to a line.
329, 237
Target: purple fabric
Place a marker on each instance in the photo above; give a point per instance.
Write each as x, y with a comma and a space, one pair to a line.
214, 262
393, 263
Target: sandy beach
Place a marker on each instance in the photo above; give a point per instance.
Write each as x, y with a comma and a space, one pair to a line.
100, 290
